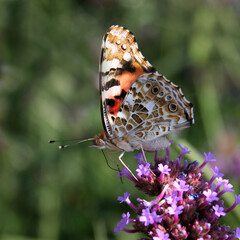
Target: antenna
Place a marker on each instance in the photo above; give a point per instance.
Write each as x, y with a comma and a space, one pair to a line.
74, 142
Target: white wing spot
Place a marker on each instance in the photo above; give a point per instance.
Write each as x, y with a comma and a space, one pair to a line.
149, 105
106, 65
135, 50
124, 46
138, 58
141, 55
174, 85
121, 115
107, 44
185, 99
149, 63
180, 90
115, 90
118, 42
115, 63
127, 56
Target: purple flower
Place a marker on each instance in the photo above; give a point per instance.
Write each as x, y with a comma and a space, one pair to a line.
144, 202
210, 195
184, 151
209, 157
237, 233
219, 211
237, 201
147, 218
183, 206
161, 235
216, 172
164, 169
175, 210
125, 173
123, 222
140, 158
143, 170
180, 185
221, 182
227, 187
172, 199
157, 218
125, 198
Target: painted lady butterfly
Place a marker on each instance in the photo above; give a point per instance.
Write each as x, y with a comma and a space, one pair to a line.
139, 106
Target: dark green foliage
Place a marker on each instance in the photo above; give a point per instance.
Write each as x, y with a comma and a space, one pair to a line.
49, 53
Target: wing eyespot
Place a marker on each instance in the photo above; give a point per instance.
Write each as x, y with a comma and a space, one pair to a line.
172, 107
155, 90
148, 85
168, 97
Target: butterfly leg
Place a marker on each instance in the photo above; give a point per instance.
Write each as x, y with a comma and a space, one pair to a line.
107, 152
118, 168
113, 151
120, 159
144, 156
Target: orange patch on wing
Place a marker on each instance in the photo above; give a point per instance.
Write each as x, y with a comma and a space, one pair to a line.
114, 110
126, 80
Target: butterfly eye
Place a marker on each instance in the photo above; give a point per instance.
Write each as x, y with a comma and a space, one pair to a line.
172, 107
155, 90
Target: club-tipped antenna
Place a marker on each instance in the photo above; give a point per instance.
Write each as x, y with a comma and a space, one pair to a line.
75, 142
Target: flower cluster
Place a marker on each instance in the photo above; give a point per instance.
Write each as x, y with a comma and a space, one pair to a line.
185, 205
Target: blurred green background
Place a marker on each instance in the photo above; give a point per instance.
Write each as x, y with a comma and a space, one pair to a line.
49, 53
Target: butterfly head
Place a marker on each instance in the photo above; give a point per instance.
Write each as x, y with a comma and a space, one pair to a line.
102, 141
98, 141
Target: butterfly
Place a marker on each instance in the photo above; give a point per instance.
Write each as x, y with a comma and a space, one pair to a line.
139, 106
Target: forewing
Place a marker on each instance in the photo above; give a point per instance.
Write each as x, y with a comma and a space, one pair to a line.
121, 63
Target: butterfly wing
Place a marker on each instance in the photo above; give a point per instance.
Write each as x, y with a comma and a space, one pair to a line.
152, 108
121, 63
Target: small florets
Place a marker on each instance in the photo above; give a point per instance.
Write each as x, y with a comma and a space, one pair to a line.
185, 206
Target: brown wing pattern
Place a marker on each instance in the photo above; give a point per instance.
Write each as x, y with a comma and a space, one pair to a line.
153, 107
